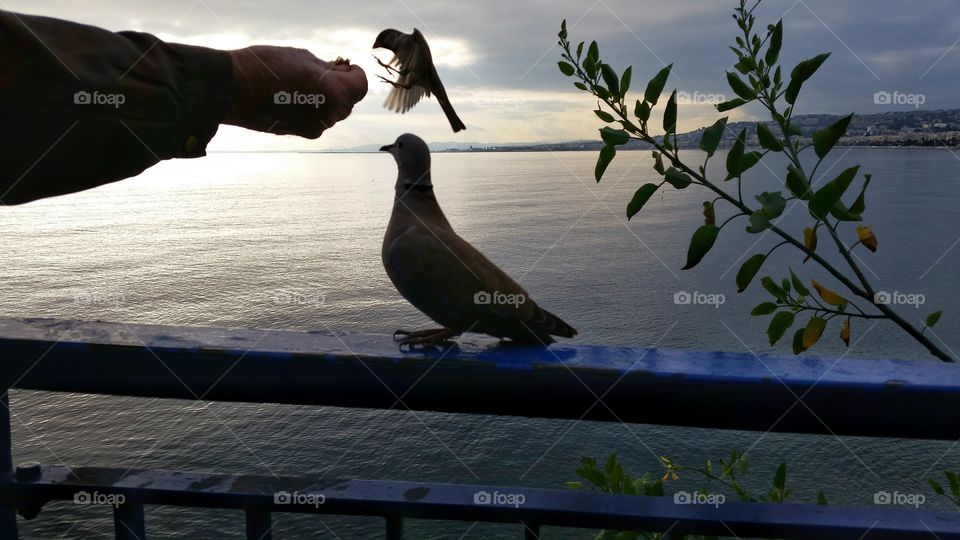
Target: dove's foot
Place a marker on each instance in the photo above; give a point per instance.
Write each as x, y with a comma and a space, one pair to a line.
429, 337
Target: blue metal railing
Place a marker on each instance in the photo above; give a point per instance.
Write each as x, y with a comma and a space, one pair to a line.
881, 398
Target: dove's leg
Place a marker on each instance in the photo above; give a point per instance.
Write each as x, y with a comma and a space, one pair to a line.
387, 66
394, 83
423, 337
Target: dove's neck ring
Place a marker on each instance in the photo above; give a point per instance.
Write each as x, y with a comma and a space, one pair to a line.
420, 183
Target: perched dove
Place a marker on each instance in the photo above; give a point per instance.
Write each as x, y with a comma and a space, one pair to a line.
417, 75
444, 276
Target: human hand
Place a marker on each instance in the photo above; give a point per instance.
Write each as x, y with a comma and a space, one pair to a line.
290, 91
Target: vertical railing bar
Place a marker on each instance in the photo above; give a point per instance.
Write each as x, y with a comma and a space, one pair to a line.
259, 526
128, 522
394, 528
8, 516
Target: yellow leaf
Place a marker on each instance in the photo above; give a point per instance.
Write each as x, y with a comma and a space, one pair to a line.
845, 332
813, 332
809, 240
828, 296
867, 238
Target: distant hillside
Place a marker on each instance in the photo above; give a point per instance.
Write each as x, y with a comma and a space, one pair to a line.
900, 128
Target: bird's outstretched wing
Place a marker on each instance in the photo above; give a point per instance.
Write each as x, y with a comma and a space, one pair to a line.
409, 90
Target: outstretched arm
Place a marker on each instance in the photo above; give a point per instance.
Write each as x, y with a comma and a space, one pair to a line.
81, 106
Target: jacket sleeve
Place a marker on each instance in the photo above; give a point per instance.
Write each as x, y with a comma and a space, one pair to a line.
81, 106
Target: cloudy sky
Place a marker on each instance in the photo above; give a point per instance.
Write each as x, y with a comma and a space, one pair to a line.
498, 58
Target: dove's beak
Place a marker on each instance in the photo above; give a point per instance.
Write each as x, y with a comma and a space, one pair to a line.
386, 148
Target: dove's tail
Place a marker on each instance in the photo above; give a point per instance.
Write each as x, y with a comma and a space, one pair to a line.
452, 117
542, 327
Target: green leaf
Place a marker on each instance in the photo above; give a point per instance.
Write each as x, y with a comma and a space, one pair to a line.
730, 105
736, 154
767, 139
677, 179
748, 271
640, 198
604, 115
781, 322
593, 51
740, 88
860, 205
775, 43
625, 80
935, 486
825, 139
772, 288
610, 78
710, 140
801, 74
642, 110
703, 239
954, 480
614, 137
607, 153
658, 163
747, 161
829, 195
780, 477
802, 290
656, 85
797, 183
765, 308
797, 345
759, 222
563, 29
566, 69
581, 86
773, 204
933, 319
670, 114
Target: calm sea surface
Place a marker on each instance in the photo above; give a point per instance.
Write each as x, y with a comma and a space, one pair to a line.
229, 239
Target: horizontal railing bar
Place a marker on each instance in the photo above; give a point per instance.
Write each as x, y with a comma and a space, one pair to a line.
545, 507
881, 398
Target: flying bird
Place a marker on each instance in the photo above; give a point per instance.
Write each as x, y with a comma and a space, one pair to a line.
417, 76
445, 277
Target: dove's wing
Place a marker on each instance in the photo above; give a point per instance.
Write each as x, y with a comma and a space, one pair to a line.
441, 274
409, 59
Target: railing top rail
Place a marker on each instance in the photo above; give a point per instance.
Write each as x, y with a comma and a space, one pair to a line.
884, 398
